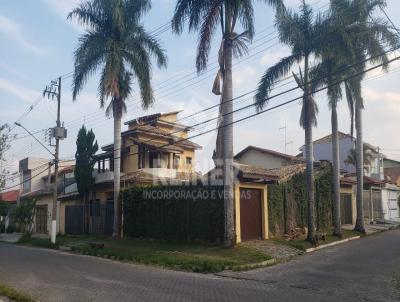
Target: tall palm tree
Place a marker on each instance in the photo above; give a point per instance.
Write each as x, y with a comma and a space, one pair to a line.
115, 42
362, 36
352, 158
206, 16
304, 34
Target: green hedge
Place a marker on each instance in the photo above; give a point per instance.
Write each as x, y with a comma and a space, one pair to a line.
287, 203
174, 213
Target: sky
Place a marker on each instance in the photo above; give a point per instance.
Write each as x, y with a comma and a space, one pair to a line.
37, 45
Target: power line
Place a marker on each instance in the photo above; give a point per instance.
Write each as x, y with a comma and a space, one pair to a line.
249, 106
277, 106
389, 19
28, 179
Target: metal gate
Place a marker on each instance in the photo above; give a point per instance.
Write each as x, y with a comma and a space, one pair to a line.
372, 204
346, 208
109, 218
250, 214
74, 223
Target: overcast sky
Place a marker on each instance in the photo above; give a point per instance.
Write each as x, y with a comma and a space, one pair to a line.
37, 44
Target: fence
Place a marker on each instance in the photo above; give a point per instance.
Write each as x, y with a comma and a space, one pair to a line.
95, 218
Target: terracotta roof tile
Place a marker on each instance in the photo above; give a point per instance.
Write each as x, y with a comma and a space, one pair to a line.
9, 196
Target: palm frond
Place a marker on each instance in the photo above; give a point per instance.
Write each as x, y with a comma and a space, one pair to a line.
139, 61
135, 9
239, 44
138, 37
88, 14
89, 55
192, 10
246, 17
268, 80
207, 31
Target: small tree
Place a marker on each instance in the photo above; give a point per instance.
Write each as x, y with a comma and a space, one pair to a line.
24, 215
3, 213
3, 208
5, 139
86, 148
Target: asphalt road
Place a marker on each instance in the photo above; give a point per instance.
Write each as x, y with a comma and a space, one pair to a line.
362, 270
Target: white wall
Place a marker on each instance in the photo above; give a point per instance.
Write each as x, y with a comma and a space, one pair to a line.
390, 206
323, 151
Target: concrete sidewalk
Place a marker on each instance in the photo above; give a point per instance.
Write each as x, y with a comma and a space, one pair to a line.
11, 238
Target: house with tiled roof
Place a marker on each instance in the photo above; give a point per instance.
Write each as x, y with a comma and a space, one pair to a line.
154, 147
154, 150
323, 151
265, 158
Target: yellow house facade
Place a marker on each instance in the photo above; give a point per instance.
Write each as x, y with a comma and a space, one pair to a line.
155, 150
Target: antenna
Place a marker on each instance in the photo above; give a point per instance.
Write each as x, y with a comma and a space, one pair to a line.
286, 143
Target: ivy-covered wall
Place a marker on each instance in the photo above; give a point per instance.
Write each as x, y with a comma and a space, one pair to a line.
184, 213
287, 203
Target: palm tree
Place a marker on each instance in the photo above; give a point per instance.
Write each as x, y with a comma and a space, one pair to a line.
352, 158
362, 36
352, 35
304, 34
206, 17
116, 42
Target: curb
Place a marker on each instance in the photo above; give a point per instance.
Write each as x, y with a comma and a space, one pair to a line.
254, 265
331, 244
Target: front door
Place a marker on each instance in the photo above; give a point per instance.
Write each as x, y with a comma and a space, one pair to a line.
250, 214
346, 208
41, 219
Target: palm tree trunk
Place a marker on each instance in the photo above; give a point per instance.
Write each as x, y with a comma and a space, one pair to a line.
117, 172
309, 155
227, 124
337, 230
359, 168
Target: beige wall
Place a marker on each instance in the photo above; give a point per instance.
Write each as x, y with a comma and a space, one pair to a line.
260, 159
130, 160
264, 208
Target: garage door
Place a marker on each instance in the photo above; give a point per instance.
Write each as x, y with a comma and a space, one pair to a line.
250, 214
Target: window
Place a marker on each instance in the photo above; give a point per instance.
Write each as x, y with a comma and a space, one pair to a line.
155, 160
188, 160
177, 159
26, 181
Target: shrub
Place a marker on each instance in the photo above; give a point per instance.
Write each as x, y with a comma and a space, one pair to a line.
287, 203
3, 208
174, 213
24, 214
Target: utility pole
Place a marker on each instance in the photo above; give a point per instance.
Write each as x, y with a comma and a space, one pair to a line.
59, 133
